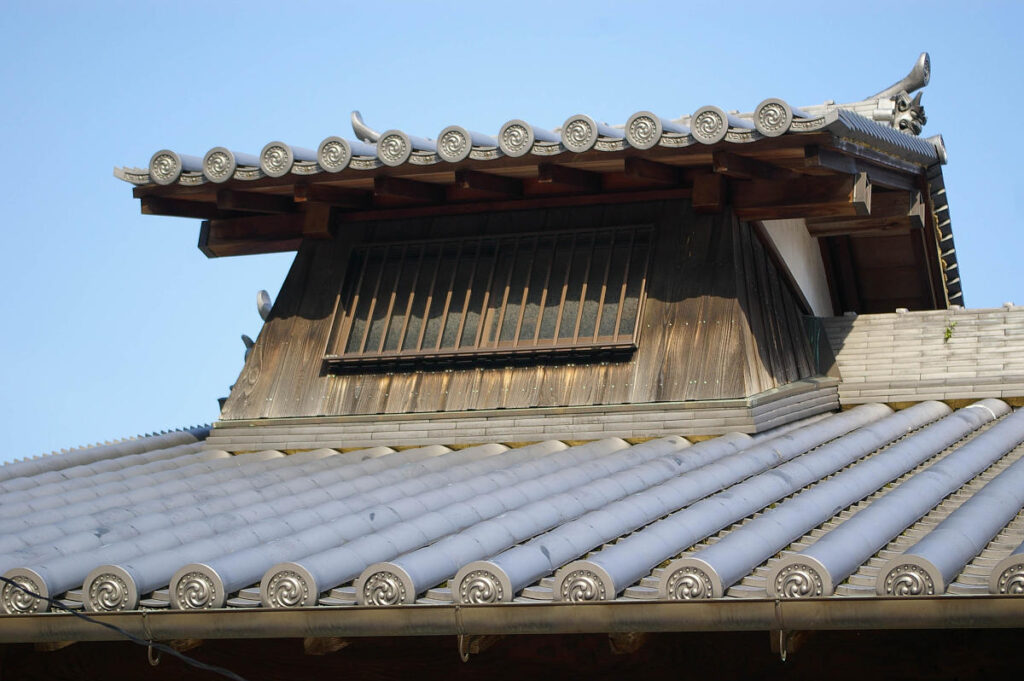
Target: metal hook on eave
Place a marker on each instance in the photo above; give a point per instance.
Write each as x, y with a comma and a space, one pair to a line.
363, 131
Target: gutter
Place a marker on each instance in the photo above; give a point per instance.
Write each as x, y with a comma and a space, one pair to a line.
937, 612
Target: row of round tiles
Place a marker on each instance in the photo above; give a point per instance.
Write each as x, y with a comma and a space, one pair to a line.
579, 133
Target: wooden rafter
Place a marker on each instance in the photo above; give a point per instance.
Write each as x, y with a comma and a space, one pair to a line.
573, 178
159, 205
254, 202
747, 168
334, 196
404, 188
652, 171
508, 187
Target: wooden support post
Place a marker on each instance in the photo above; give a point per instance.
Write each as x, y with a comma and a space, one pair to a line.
250, 235
252, 202
709, 192
805, 197
574, 178
653, 171
403, 188
509, 187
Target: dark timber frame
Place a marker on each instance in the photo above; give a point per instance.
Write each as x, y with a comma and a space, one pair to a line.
871, 211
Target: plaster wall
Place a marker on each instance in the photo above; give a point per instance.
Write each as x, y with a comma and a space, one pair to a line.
799, 251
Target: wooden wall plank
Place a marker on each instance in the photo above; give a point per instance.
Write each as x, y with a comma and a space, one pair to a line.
718, 323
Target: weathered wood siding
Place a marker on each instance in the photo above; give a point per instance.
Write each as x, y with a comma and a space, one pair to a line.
719, 322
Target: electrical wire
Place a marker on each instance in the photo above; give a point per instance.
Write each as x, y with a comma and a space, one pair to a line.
131, 637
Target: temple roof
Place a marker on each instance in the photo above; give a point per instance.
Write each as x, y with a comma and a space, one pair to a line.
272, 199
865, 503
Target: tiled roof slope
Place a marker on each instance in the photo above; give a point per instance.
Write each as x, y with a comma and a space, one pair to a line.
918, 501
580, 133
930, 355
84, 461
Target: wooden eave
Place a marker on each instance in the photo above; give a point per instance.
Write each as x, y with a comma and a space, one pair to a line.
850, 194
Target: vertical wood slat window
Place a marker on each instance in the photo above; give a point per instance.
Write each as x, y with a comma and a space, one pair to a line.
527, 294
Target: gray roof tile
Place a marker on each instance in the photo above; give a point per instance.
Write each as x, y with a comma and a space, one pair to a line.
495, 524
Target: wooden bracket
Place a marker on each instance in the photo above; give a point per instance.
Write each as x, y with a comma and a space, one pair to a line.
403, 188
319, 222
583, 180
509, 187
709, 192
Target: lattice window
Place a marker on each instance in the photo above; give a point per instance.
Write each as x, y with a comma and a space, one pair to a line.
539, 294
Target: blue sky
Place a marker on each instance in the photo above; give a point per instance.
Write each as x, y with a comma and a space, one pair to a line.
114, 323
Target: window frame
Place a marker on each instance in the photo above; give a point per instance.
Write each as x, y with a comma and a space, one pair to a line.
487, 345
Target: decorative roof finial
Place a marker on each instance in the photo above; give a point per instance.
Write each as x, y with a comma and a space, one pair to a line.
908, 114
913, 81
362, 130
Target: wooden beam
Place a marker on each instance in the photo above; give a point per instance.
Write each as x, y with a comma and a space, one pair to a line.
892, 178
645, 169
319, 222
158, 205
414, 190
890, 211
574, 178
746, 168
816, 157
334, 196
527, 203
709, 191
805, 197
252, 202
508, 187
249, 235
